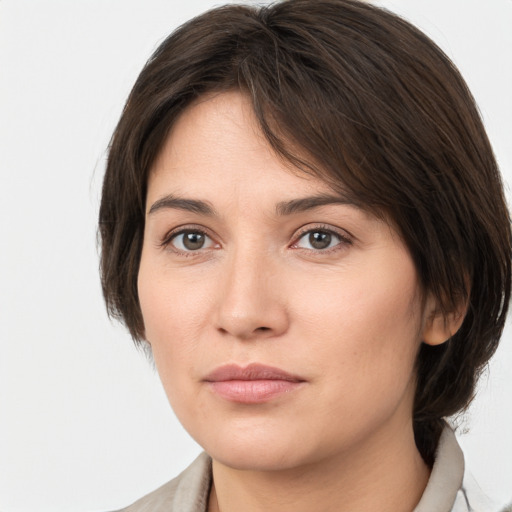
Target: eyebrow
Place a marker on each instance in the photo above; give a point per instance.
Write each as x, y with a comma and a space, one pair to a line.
283, 208
309, 203
180, 203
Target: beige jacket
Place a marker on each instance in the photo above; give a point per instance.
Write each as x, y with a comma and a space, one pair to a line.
449, 489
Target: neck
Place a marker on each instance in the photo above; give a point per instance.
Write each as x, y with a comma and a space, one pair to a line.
384, 473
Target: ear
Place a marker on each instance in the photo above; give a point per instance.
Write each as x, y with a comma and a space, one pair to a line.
439, 326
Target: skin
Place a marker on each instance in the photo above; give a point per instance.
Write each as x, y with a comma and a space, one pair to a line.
347, 319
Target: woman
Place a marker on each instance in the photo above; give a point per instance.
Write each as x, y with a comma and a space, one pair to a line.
303, 218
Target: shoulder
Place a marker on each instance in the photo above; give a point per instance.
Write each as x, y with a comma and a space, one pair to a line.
188, 492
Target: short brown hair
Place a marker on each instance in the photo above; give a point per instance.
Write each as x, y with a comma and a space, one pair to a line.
378, 110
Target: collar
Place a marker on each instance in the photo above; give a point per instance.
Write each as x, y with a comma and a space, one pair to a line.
446, 476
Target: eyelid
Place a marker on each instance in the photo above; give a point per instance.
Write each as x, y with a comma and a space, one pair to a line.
345, 237
166, 240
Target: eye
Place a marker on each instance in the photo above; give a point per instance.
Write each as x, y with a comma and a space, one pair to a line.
191, 240
320, 240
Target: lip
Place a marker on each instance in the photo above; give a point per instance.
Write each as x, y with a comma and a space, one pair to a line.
252, 384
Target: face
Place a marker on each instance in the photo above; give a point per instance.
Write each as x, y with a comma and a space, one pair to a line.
284, 322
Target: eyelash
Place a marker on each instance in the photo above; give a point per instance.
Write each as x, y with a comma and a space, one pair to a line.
344, 239
175, 233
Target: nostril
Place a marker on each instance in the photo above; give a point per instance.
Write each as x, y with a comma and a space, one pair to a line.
263, 329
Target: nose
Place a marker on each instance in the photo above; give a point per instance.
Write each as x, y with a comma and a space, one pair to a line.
251, 301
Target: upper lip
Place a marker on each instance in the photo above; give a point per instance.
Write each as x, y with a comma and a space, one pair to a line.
254, 371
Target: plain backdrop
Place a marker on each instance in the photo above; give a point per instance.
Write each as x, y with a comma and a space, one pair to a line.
84, 423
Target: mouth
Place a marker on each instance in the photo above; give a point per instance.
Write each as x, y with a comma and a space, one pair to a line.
252, 384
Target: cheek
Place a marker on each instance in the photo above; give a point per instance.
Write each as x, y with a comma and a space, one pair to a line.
365, 328
173, 312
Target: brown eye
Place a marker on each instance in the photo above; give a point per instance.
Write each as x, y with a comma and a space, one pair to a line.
319, 239
187, 241
193, 241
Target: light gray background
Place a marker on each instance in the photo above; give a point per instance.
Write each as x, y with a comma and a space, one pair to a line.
84, 423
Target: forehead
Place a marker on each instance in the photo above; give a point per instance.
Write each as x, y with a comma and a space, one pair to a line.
216, 147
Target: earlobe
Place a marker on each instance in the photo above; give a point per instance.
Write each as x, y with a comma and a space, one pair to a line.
440, 326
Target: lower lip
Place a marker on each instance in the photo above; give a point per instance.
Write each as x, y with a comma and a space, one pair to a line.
253, 391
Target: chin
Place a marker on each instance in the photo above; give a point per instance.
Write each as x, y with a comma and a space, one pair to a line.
258, 458
254, 449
